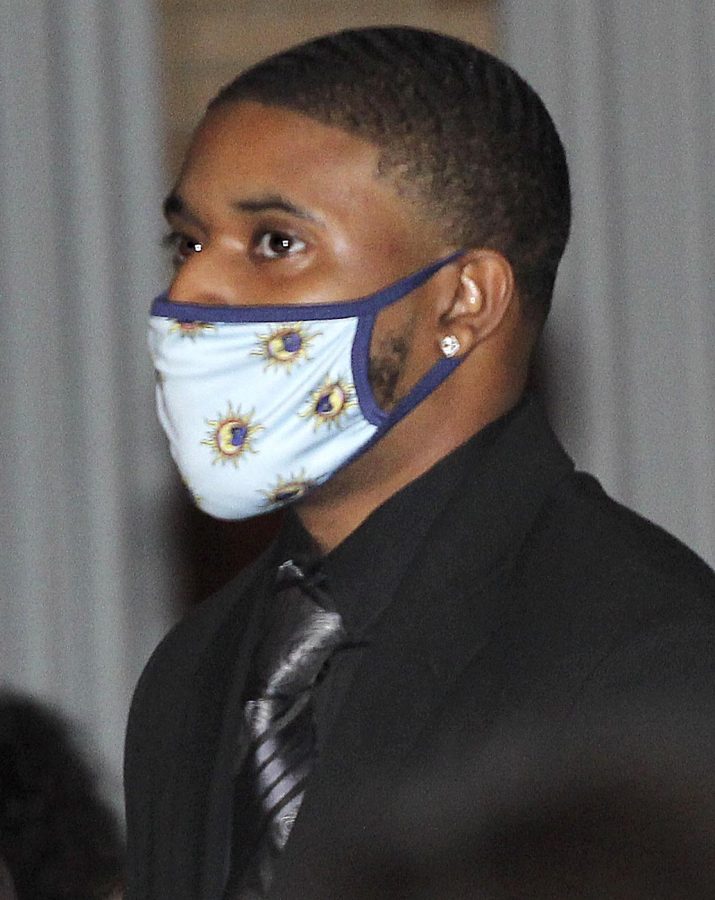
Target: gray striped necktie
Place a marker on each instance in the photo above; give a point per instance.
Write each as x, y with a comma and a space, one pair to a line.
278, 713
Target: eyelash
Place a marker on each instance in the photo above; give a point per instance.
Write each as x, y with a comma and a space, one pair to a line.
175, 239
284, 238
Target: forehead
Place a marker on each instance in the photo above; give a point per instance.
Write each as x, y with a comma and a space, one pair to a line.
251, 149
273, 138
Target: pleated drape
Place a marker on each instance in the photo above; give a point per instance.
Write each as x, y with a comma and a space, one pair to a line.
630, 350
86, 563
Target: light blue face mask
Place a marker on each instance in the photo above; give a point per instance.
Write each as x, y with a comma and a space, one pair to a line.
263, 403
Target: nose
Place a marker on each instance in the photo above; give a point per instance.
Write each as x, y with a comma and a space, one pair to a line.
204, 279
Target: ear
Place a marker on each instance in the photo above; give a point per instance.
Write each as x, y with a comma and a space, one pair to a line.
483, 295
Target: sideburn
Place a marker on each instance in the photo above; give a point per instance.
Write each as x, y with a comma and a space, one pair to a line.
385, 368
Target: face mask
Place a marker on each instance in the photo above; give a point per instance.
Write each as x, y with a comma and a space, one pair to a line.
262, 404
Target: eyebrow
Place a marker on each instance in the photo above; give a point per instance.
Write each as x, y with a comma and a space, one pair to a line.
274, 202
175, 205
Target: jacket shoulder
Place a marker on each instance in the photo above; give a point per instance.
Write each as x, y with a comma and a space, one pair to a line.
610, 604
603, 613
593, 539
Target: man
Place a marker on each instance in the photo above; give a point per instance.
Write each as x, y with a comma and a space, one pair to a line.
367, 230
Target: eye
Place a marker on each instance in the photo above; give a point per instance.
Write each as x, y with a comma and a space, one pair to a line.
278, 244
182, 246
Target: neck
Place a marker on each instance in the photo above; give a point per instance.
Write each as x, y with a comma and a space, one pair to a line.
341, 505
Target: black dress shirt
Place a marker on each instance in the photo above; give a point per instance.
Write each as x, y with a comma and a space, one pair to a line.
362, 575
364, 572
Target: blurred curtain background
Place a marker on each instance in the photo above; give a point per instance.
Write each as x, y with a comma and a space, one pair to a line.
87, 569
629, 355
100, 552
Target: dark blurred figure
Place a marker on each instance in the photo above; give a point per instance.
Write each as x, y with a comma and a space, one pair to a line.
7, 888
624, 820
58, 839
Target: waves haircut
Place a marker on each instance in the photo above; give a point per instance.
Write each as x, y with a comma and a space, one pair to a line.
458, 130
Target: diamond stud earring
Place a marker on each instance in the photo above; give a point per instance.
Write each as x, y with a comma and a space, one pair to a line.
449, 345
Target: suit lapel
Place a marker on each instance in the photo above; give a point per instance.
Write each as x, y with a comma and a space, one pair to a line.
193, 818
235, 657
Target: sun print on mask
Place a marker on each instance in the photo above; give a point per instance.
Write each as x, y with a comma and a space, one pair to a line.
284, 346
330, 403
191, 329
288, 490
231, 435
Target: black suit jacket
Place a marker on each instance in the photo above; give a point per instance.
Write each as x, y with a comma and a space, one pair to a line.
533, 599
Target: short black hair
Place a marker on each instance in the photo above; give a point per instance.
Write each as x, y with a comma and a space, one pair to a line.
459, 130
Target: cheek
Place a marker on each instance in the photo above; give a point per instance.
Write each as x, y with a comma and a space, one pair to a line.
370, 253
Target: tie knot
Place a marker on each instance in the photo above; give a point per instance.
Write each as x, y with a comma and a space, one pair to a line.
300, 637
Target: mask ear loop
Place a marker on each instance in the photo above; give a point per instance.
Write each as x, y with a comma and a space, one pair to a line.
385, 421
429, 383
363, 338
